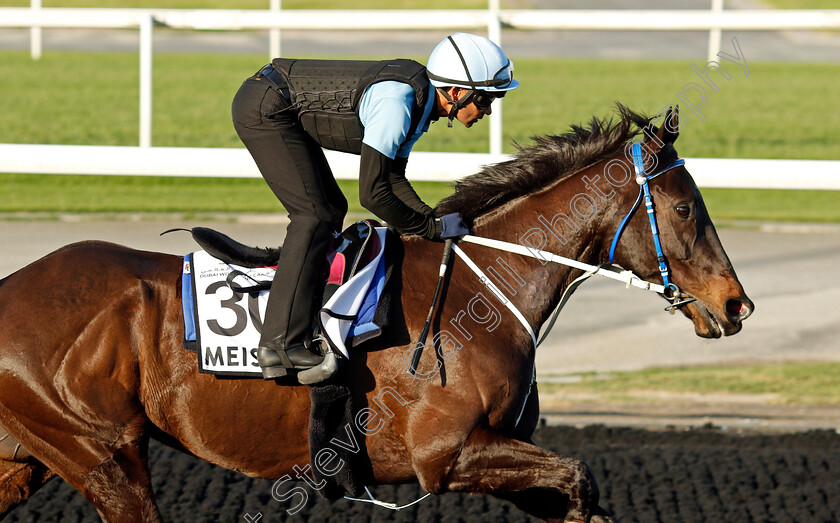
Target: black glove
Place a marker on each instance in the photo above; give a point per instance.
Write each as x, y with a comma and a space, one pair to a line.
450, 226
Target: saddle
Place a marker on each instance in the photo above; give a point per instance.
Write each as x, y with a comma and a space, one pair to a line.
226, 346
354, 248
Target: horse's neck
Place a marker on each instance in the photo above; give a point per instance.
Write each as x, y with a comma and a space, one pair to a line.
573, 232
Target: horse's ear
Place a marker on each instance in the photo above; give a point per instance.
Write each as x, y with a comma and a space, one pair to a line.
669, 131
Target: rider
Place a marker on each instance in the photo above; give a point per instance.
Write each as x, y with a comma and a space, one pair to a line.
290, 109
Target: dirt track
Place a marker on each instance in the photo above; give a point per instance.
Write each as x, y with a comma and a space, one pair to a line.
700, 475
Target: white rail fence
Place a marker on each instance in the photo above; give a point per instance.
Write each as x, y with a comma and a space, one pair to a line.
492, 19
424, 166
166, 161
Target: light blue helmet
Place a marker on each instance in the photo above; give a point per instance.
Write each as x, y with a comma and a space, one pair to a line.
470, 61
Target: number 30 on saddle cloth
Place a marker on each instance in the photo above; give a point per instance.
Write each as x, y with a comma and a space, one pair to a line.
224, 303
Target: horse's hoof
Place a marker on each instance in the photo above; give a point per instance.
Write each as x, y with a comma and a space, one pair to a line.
272, 373
326, 370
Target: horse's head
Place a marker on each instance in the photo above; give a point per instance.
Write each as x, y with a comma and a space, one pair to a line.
697, 263
563, 195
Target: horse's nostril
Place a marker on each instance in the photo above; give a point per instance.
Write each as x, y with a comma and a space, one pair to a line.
737, 309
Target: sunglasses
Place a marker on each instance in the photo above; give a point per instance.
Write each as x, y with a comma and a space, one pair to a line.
482, 100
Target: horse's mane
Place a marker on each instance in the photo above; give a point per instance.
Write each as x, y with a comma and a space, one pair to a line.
547, 160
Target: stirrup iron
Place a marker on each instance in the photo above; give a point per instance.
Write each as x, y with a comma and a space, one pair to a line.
325, 370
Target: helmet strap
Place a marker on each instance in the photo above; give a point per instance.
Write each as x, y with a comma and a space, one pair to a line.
456, 105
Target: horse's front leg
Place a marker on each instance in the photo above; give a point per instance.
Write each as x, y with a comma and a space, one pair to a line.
542, 483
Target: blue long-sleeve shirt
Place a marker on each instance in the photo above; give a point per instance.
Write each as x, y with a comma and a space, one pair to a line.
385, 113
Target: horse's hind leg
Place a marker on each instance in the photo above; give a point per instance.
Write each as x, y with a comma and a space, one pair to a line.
540, 482
19, 480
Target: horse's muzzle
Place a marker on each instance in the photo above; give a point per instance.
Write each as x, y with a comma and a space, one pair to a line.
716, 321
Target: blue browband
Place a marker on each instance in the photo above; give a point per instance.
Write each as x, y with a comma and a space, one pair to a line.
644, 191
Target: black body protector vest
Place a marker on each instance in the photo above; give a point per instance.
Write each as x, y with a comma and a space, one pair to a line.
327, 95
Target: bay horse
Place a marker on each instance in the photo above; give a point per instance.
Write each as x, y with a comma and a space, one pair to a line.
92, 364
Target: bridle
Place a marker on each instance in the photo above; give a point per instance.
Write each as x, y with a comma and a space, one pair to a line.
677, 297
668, 289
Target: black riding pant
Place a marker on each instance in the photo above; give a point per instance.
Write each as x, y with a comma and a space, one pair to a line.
295, 168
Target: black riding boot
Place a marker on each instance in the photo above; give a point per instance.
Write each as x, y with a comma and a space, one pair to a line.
278, 353
284, 343
276, 362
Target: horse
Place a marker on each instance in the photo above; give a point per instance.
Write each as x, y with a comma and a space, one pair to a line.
92, 364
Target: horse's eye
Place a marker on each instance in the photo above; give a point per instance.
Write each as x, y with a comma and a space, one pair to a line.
683, 210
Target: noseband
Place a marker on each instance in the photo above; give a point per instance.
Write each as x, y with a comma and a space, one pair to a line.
677, 297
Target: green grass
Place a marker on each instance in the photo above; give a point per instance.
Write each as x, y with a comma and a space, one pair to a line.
773, 205
36, 193
778, 111
791, 383
123, 194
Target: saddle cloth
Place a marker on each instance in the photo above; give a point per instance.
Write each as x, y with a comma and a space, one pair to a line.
224, 306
